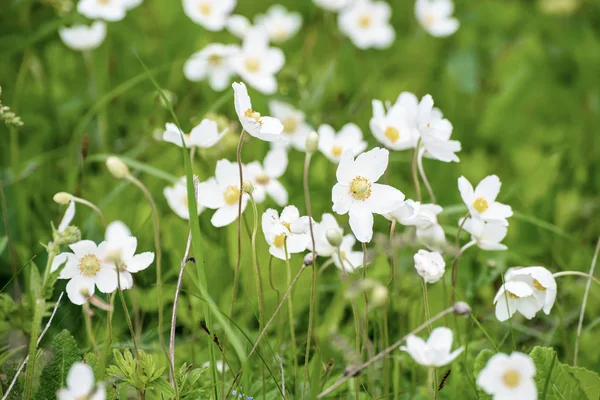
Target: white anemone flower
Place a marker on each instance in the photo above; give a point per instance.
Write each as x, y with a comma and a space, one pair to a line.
351, 260
429, 265
540, 279
436, 351
435, 16
358, 194
268, 129
210, 14
482, 201
516, 296
204, 135
177, 198
265, 177
509, 377
257, 62
214, 63
435, 132
486, 235
367, 24
286, 231
424, 217
238, 25
392, 127
280, 24
295, 127
129, 4
332, 5
322, 245
220, 366
333, 144
108, 10
80, 385
223, 193
83, 37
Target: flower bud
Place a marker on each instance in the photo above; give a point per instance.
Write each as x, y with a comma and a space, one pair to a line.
248, 186
334, 237
462, 308
70, 235
429, 265
312, 142
62, 198
117, 167
308, 259
379, 295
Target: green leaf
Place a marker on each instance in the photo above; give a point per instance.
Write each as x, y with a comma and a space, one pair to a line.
163, 388
589, 381
480, 362
54, 375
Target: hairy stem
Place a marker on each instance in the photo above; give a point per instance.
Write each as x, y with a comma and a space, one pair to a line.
415, 175
424, 176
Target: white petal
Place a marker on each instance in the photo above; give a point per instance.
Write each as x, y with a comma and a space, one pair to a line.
83, 247
345, 170
76, 285
361, 223
277, 192
210, 194
488, 188
80, 379
226, 214
290, 214
276, 162
416, 348
466, 191
106, 279
140, 262
342, 201
384, 199
270, 126
68, 217
372, 164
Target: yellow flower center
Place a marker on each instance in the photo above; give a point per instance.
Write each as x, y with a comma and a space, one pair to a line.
122, 266
337, 150
215, 60
429, 20
511, 378
231, 195
344, 255
280, 33
392, 133
365, 21
480, 204
511, 295
89, 265
287, 225
279, 240
250, 113
538, 285
262, 179
360, 188
290, 124
205, 9
103, 2
252, 64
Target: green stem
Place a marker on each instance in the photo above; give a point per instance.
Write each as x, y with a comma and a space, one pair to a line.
415, 175
127, 317
426, 302
291, 315
107, 343
87, 317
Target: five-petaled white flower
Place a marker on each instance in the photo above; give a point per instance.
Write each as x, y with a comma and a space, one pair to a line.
108, 10
214, 63
264, 177
333, 144
204, 135
516, 296
286, 232
295, 127
393, 128
436, 17
486, 235
358, 194
177, 198
322, 245
482, 201
429, 265
83, 37
268, 129
351, 260
257, 62
509, 377
436, 351
238, 25
332, 5
367, 24
280, 24
210, 14
223, 193
540, 280
80, 385
435, 132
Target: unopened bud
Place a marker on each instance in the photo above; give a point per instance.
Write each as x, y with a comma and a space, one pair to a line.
312, 142
379, 295
334, 237
248, 187
117, 167
62, 198
308, 259
70, 235
462, 308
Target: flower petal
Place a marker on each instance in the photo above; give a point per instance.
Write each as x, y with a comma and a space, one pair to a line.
140, 262
361, 223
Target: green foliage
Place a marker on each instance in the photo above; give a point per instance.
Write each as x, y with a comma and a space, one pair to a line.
480, 362
141, 374
187, 379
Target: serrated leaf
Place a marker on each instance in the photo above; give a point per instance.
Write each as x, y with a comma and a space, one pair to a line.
589, 381
54, 375
563, 384
163, 388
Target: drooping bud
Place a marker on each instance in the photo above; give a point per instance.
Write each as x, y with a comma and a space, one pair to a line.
379, 295
462, 308
62, 198
248, 186
312, 142
334, 237
117, 167
308, 259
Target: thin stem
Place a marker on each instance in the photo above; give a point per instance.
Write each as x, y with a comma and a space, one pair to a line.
90, 205
433, 385
392, 253
576, 273
291, 313
127, 317
424, 176
87, 317
239, 224
105, 354
457, 257
259, 291
426, 302
415, 176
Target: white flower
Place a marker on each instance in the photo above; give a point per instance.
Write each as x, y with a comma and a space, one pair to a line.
294, 123
424, 217
332, 5
540, 279
429, 265
367, 24
129, 4
238, 25
221, 366
487, 235
322, 245
264, 177
436, 351
268, 129
280, 24
509, 377
83, 37
357, 193
351, 260
516, 296
288, 230
435, 132
482, 202
210, 14
257, 63
223, 193
177, 198
435, 16
393, 128
214, 63
204, 135
333, 144
108, 10
80, 385
67, 217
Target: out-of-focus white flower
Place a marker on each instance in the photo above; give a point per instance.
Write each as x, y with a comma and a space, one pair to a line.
435, 16
436, 351
351, 260
295, 127
257, 63
80, 385
265, 177
367, 24
435, 132
83, 37
108, 10
509, 377
322, 245
223, 193
177, 198
540, 279
333, 144
424, 218
392, 128
358, 194
210, 14
286, 231
280, 24
487, 235
67, 217
332, 5
516, 296
214, 63
238, 25
129, 4
268, 129
482, 201
204, 135
221, 366
429, 265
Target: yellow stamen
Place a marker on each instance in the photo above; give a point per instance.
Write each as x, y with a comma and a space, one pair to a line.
231, 195
215, 60
538, 285
336, 150
511, 295
205, 9
89, 265
480, 204
392, 133
360, 188
290, 124
511, 378
279, 240
103, 2
429, 20
262, 179
252, 64
365, 21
